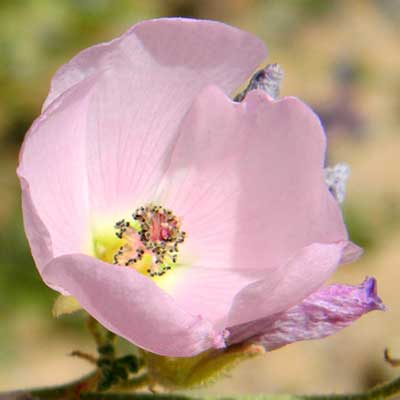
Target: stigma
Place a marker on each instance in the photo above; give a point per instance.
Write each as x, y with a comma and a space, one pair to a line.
151, 239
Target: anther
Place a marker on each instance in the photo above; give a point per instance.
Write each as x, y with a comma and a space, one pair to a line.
158, 235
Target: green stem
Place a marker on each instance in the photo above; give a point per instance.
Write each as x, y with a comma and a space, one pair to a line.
68, 391
383, 391
139, 396
80, 390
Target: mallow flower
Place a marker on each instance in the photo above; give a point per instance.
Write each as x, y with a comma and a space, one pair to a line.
180, 219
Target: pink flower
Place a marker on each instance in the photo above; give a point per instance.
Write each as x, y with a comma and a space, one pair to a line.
232, 221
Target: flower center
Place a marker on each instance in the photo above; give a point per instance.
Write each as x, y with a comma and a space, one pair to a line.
151, 241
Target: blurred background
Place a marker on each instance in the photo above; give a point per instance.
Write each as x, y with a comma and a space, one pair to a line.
342, 57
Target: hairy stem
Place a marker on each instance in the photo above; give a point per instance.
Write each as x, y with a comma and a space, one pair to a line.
81, 390
68, 391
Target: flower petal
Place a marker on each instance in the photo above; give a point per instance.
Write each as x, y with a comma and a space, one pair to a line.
287, 284
247, 179
147, 80
209, 292
52, 171
321, 314
351, 253
201, 51
37, 234
132, 306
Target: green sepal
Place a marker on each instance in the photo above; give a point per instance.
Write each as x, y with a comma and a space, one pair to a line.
175, 373
65, 305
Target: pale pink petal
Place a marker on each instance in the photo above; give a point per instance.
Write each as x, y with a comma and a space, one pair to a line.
36, 232
287, 284
321, 314
147, 80
351, 253
52, 171
247, 180
202, 50
132, 306
209, 292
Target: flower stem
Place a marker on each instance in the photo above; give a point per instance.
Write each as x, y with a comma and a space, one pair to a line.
81, 389
383, 391
68, 391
